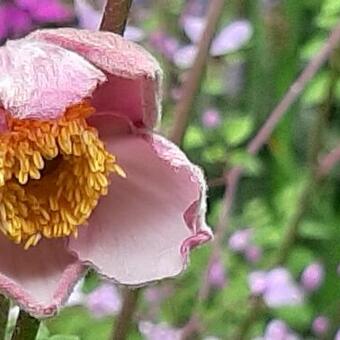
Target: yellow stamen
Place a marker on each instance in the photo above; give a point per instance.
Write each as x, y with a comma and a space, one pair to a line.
52, 174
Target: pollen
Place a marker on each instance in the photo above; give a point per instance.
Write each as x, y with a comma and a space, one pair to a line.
52, 175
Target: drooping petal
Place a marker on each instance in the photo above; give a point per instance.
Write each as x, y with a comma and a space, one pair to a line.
39, 79
134, 76
144, 229
39, 279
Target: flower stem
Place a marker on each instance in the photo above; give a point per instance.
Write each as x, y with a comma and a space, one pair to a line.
26, 328
125, 317
115, 16
4, 309
193, 82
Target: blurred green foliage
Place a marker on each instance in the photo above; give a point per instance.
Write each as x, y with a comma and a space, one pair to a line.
287, 34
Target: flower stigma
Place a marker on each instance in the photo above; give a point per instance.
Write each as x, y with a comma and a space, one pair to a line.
52, 175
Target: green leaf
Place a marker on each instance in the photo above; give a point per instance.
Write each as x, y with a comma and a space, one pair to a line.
64, 337
249, 163
194, 138
297, 317
215, 153
91, 282
299, 258
237, 130
316, 91
314, 230
329, 15
312, 47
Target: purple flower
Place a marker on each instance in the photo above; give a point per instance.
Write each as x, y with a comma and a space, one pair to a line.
21, 16
257, 282
239, 240
14, 21
217, 274
278, 330
337, 335
164, 43
277, 287
158, 332
211, 118
104, 300
320, 325
46, 10
87, 15
253, 253
281, 289
312, 277
231, 38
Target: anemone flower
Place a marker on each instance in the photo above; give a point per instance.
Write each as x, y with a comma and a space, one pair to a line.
84, 180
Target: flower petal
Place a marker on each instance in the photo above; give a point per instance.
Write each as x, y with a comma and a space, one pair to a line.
144, 229
134, 75
39, 79
39, 279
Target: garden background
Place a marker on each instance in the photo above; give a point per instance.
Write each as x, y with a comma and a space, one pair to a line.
273, 271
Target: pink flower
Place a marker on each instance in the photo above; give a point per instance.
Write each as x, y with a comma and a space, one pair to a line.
105, 300
217, 274
320, 325
157, 332
211, 118
240, 240
83, 180
276, 286
253, 253
312, 277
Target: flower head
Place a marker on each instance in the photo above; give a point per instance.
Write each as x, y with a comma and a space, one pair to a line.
276, 286
320, 325
83, 179
312, 276
104, 300
156, 332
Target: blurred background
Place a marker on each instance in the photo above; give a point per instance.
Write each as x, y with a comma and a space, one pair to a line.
259, 283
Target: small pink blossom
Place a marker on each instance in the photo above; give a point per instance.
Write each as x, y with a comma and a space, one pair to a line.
277, 287
104, 300
240, 240
211, 118
159, 332
217, 274
312, 277
320, 325
253, 253
337, 335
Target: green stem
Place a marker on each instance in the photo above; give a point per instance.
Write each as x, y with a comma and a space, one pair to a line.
4, 309
26, 328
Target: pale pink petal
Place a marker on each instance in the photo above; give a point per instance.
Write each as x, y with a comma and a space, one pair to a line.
134, 75
144, 229
39, 279
231, 38
193, 27
39, 79
185, 56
